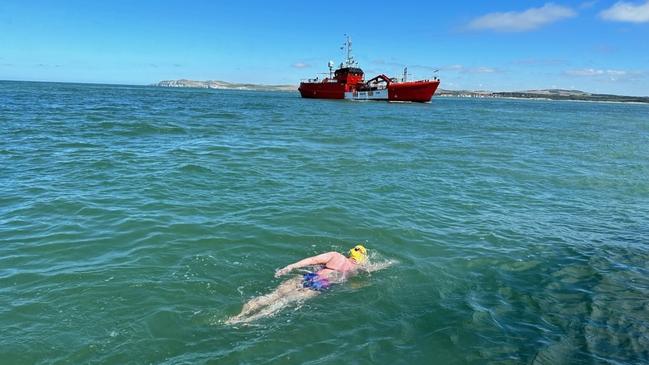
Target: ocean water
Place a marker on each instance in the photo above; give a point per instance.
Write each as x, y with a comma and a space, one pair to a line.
135, 220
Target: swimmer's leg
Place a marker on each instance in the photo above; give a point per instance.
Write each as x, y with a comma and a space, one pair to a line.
264, 300
258, 303
300, 294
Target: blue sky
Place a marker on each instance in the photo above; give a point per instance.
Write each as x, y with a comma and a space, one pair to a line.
598, 46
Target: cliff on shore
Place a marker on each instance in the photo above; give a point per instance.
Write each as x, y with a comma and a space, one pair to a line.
215, 84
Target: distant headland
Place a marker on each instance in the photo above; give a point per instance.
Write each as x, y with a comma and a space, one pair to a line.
544, 94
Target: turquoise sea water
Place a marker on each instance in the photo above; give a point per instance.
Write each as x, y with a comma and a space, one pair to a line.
134, 220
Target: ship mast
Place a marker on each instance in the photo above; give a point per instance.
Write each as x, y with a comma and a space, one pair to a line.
349, 62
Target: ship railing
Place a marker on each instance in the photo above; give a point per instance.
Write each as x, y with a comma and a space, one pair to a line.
332, 81
413, 79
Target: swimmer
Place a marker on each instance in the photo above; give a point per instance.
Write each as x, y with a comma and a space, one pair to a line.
334, 268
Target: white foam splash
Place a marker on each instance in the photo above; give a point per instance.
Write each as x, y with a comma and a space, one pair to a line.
376, 262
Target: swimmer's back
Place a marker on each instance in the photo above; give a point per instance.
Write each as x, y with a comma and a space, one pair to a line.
336, 263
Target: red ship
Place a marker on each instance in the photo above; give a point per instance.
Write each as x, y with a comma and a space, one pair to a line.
347, 82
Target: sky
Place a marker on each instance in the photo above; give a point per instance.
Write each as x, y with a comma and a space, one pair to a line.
596, 46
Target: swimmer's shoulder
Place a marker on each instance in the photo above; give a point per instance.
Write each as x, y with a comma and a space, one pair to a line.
337, 255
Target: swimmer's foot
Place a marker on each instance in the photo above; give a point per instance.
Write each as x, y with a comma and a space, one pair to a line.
246, 312
234, 320
242, 317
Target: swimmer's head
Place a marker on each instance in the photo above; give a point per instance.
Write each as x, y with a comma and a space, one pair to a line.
358, 254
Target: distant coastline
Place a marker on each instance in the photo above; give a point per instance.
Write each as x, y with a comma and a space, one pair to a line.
215, 84
544, 94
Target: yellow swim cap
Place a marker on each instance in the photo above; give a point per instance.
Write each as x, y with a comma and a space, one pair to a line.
358, 254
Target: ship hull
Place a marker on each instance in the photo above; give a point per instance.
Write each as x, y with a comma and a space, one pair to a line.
414, 91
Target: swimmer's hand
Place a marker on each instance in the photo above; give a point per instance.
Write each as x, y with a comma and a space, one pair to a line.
283, 271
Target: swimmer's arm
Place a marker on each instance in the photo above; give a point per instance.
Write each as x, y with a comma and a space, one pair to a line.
313, 260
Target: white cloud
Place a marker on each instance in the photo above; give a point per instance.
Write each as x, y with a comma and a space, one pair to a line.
594, 72
627, 12
482, 70
454, 67
519, 21
300, 65
608, 75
